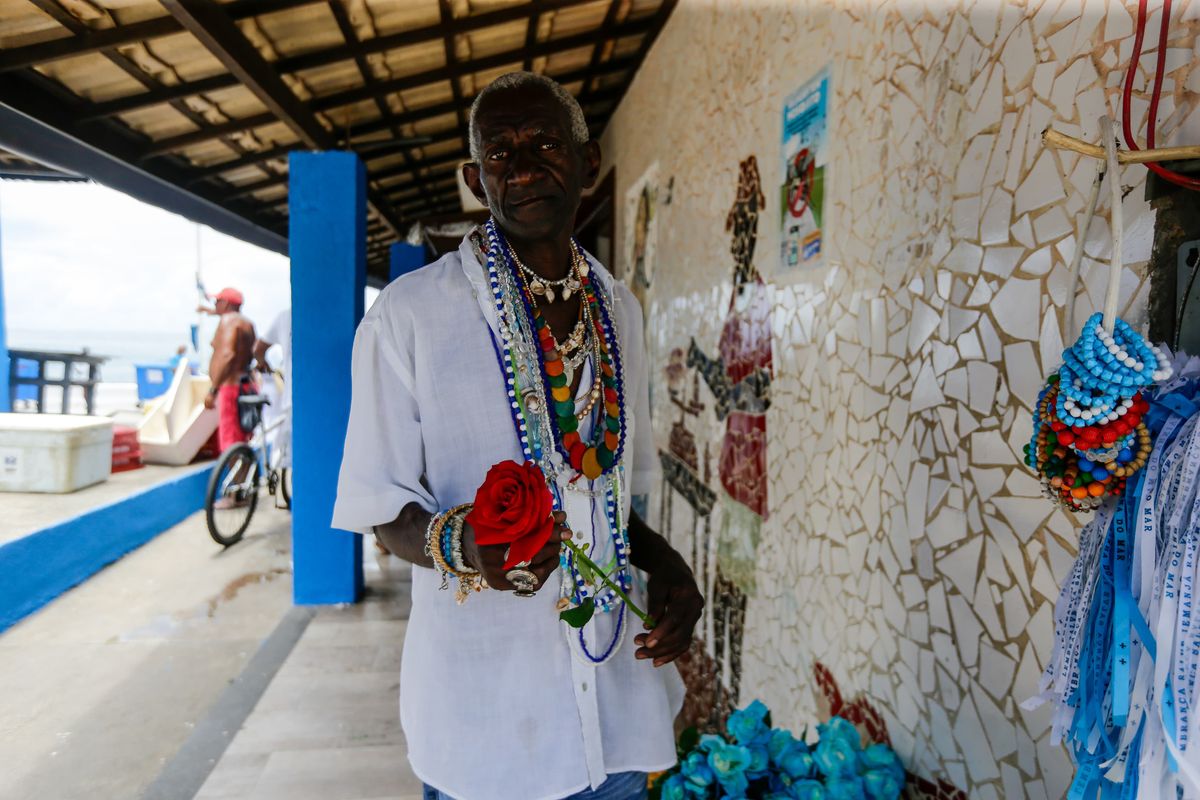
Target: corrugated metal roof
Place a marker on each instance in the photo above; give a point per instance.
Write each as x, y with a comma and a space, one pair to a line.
212, 94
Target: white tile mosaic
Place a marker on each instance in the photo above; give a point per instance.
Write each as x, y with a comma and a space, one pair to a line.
898, 507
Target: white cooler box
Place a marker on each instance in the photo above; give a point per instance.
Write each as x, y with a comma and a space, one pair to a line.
53, 452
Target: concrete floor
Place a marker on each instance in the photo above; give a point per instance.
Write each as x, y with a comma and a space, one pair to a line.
103, 685
327, 727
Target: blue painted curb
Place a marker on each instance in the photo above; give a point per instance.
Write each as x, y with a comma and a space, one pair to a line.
39, 567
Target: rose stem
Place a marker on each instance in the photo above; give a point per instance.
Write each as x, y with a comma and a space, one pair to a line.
582, 556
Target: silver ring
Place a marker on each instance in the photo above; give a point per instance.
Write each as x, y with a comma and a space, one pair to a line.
524, 580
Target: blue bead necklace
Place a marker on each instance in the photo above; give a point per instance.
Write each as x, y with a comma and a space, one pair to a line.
516, 355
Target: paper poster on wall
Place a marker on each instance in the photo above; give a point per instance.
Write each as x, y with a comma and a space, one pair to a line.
641, 231
802, 195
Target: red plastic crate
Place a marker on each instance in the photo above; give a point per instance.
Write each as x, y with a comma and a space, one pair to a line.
126, 451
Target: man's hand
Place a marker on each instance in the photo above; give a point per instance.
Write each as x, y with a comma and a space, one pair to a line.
675, 603
489, 559
210, 400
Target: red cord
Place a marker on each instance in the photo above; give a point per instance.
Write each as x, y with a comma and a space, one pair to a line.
1156, 92
1160, 66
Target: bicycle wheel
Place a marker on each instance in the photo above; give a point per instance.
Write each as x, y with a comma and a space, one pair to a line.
285, 487
232, 494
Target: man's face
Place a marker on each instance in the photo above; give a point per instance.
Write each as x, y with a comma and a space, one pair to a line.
531, 172
222, 306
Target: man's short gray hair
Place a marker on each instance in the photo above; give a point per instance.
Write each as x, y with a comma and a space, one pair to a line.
518, 80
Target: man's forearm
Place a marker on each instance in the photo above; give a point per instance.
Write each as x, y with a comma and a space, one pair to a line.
650, 550
404, 536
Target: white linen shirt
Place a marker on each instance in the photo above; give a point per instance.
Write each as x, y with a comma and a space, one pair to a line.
492, 701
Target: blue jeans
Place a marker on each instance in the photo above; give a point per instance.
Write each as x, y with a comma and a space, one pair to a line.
621, 786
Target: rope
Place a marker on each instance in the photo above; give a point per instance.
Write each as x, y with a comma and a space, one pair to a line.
1112, 296
1077, 259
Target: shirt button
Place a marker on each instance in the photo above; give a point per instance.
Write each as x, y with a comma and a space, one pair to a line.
584, 685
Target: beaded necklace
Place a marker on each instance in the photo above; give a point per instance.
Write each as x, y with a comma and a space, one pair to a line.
544, 286
522, 357
1088, 434
580, 344
598, 456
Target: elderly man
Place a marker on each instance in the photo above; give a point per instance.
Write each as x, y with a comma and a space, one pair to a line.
520, 346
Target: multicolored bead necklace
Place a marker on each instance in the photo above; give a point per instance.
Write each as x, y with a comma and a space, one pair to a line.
521, 353
1088, 435
595, 458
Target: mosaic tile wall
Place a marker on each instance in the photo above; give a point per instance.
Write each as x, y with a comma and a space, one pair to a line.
904, 548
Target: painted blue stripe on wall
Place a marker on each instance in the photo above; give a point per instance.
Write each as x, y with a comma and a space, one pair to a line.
39, 567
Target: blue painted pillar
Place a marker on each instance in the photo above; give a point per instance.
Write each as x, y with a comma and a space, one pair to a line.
327, 196
405, 258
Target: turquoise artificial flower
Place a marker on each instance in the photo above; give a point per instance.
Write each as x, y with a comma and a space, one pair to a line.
798, 763
760, 760
880, 756
696, 772
836, 757
729, 763
710, 740
808, 790
674, 788
780, 741
840, 728
747, 724
847, 788
883, 784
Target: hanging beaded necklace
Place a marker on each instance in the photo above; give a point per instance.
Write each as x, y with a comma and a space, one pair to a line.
582, 341
598, 456
539, 416
1088, 435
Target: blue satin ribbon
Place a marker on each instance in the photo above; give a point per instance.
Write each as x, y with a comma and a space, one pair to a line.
1102, 699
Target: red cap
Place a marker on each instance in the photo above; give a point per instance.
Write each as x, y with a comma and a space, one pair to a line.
231, 296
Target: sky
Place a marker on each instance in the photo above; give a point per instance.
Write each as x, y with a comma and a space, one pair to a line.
83, 257
85, 266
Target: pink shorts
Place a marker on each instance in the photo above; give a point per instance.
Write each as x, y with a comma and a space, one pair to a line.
229, 429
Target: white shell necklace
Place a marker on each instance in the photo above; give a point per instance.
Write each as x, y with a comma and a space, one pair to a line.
544, 287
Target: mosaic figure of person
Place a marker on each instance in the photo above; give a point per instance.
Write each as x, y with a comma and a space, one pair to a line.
740, 381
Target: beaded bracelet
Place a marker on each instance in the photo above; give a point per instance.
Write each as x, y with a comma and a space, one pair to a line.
443, 544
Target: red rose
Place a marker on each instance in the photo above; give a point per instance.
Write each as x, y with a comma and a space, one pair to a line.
513, 507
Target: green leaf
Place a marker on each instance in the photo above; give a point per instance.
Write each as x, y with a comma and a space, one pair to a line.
578, 616
589, 576
688, 740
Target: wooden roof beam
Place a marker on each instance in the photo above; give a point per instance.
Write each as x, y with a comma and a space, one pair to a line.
118, 58
44, 128
290, 64
461, 68
447, 15
221, 36
92, 41
380, 44
368, 77
602, 39
458, 69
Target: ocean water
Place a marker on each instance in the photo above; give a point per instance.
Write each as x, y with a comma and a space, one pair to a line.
123, 348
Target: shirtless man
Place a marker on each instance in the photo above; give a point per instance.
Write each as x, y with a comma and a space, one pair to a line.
233, 350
